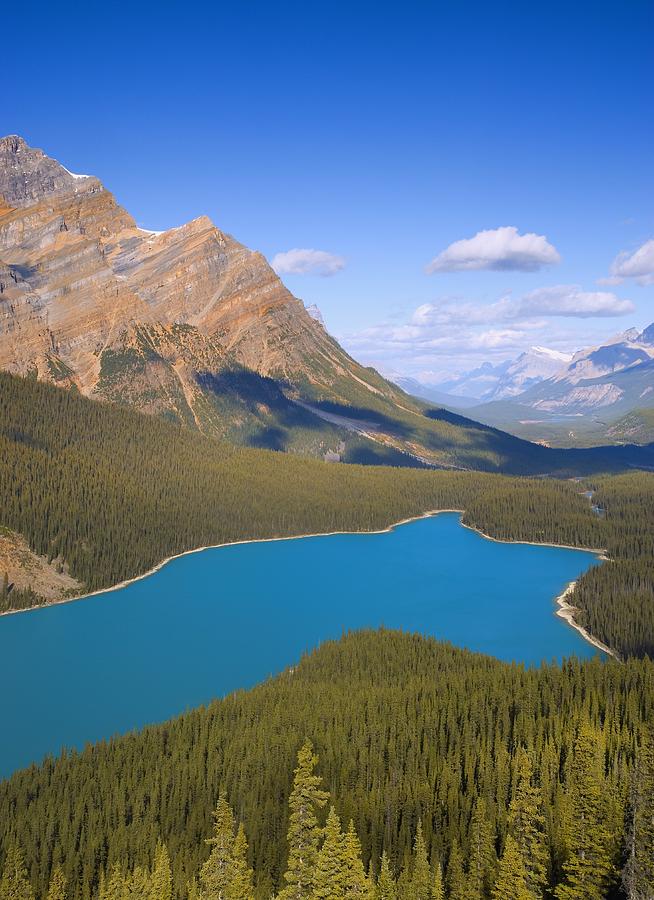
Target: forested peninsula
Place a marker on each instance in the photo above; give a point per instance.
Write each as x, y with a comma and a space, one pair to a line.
511, 784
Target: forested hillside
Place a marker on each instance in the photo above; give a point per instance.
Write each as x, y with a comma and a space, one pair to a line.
542, 778
112, 492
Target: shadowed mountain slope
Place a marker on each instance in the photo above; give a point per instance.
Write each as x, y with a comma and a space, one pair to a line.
191, 325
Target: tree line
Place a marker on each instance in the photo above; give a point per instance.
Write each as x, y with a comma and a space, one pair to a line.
325, 862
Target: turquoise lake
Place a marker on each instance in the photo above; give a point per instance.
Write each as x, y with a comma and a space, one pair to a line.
210, 622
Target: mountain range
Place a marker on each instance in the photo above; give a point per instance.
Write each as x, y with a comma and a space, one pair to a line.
508, 379
191, 325
563, 398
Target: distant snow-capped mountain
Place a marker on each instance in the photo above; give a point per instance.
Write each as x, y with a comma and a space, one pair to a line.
621, 352
476, 384
530, 368
615, 377
508, 379
619, 372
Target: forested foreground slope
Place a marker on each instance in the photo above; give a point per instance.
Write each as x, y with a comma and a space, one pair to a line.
407, 730
111, 493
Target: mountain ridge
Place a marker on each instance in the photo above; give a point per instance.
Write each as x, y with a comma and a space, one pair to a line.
191, 325
89, 299
603, 396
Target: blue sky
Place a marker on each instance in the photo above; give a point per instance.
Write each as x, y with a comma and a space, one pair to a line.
380, 136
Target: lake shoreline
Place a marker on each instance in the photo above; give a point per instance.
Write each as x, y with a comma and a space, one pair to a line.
564, 610
265, 540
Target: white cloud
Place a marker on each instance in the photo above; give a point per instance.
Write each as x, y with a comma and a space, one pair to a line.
451, 311
571, 300
307, 262
638, 264
497, 338
453, 333
498, 249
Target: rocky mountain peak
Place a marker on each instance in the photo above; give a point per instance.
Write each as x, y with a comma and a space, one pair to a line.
314, 312
154, 319
27, 175
12, 143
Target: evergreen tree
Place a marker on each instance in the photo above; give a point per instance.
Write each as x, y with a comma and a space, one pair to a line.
307, 797
14, 884
588, 865
137, 885
420, 885
57, 886
240, 874
386, 886
511, 883
193, 890
215, 874
330, 876
638, 872
113, 887
526, 824
456, 880
404, 878
57, 889
482, 859
356, 881
161, 880
437, 887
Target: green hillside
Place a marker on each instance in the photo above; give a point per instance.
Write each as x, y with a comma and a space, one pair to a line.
636, 427
407, 730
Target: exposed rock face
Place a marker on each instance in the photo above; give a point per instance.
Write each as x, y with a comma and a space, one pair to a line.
588, 396
87, 298
24, 569
27, 175
314, 312
531, 367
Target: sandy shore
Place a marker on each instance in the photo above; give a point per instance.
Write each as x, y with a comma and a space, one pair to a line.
565, 610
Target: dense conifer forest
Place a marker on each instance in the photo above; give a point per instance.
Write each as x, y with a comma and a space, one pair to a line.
113, 492
430, 766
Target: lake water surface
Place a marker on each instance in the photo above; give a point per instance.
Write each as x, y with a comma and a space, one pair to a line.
226, 618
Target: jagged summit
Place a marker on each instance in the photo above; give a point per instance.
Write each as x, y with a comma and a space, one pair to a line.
154, 319
28, 175
84, 283
314, 311
13, 142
